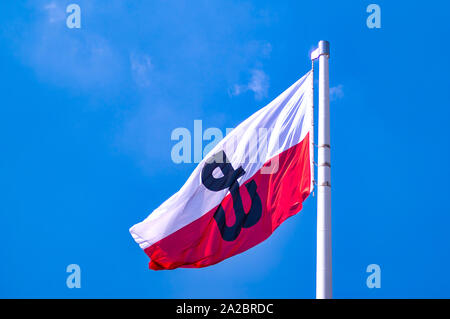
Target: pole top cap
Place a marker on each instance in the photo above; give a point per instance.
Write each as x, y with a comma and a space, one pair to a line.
324, 47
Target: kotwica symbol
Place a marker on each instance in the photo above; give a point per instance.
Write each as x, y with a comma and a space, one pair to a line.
229, 180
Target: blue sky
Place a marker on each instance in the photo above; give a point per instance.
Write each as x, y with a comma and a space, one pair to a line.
85, 122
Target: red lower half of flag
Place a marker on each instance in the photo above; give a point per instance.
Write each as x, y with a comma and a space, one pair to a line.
278, 195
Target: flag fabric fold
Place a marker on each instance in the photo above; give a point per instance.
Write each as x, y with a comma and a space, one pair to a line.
248, 184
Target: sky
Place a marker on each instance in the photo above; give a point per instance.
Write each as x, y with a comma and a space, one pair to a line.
86, 117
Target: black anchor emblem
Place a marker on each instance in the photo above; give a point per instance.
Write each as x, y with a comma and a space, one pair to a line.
229, 180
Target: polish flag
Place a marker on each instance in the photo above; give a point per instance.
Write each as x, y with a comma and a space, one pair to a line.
250, 182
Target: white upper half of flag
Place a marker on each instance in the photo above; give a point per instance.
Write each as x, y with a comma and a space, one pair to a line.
281, 124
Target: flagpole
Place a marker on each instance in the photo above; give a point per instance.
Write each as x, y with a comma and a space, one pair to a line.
323, 266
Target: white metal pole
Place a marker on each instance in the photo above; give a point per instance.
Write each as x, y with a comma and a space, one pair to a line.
323, 276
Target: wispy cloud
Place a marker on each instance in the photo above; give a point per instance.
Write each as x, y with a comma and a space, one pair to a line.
258, 84
81, 59
266, 50
55, 12
337, 92
141, 66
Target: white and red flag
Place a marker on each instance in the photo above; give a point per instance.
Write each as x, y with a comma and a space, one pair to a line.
250, 182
